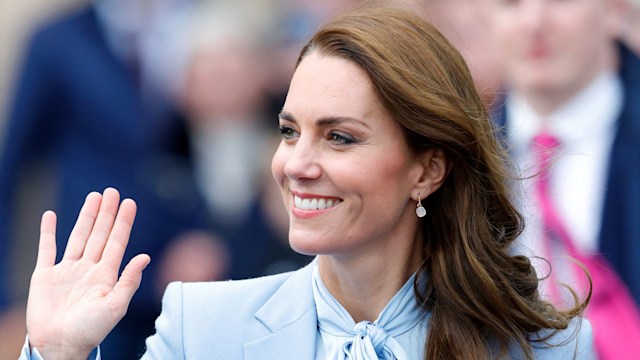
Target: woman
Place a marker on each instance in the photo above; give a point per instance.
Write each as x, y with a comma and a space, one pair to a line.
392, 175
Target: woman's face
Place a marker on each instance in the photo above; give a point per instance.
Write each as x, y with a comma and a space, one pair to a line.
345, 171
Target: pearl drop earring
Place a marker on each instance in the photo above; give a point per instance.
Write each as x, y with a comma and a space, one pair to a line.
420, 211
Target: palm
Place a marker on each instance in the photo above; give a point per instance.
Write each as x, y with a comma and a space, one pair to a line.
72, 293
74, 304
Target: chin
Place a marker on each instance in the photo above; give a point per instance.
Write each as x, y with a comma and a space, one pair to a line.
308, 243
304, 250
305, 247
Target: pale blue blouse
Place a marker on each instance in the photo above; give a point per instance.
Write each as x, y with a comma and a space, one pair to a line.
398, 333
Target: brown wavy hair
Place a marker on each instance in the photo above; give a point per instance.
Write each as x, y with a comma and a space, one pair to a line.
477, 292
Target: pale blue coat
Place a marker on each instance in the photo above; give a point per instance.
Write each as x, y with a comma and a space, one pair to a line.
268, 318
272, 317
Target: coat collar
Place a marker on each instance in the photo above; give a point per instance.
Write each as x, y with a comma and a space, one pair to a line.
291, 318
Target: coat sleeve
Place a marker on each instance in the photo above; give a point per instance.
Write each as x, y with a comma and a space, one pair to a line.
28, 354
167, 342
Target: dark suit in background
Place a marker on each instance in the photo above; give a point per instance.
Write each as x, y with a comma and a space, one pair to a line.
80, 107
620, 232
619, 236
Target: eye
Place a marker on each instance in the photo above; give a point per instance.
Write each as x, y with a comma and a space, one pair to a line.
288, 132
508, 2
341, 139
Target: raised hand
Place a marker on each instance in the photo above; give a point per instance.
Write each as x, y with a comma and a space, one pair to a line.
74, 304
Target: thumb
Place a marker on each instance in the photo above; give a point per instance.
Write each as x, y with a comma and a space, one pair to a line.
129, 282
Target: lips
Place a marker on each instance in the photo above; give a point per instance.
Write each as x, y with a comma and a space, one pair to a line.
314, 203
538, 51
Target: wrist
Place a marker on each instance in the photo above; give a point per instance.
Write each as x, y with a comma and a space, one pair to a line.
55, 352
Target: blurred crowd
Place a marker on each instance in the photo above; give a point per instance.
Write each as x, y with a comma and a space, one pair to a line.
175, 102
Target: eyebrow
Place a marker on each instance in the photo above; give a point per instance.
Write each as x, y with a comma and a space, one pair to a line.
325, 120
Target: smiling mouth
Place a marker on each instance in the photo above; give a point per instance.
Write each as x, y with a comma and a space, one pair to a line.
314, 203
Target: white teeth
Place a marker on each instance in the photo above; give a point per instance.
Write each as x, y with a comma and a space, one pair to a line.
322, 204
306, 204
313, 204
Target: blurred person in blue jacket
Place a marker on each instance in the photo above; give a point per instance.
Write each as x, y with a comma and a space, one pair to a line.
573, 89
225, 95
106, 69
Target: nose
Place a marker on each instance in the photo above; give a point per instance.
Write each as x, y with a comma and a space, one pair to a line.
303, 160
533, 16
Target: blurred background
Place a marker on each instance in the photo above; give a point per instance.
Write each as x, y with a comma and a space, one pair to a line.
174, 103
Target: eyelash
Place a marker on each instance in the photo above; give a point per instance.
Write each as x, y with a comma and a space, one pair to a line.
288, 132
342, 139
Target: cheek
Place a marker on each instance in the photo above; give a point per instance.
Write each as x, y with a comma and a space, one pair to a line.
508, 43
277, 165
388, 173
504, 25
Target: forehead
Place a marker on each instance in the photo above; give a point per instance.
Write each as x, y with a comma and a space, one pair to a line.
324, 83
593, 6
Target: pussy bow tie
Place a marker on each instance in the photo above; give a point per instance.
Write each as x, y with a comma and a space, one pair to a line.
368, 340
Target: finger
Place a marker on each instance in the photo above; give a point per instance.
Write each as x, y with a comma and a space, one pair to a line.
83, 226
119, 238
103, 225
47, 245
129, 282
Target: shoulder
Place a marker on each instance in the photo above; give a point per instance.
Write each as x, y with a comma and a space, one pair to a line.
59, 29
65, 22
221, 293
235, 301
630, 66
630, 74
574, 342
198, 319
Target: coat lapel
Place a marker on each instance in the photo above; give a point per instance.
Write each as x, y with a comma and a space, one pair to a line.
621, 209
291, 318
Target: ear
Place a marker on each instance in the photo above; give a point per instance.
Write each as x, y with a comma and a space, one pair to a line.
433, 168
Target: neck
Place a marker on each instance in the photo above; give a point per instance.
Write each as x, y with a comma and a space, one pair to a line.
546, 102
365, 285
545, 105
